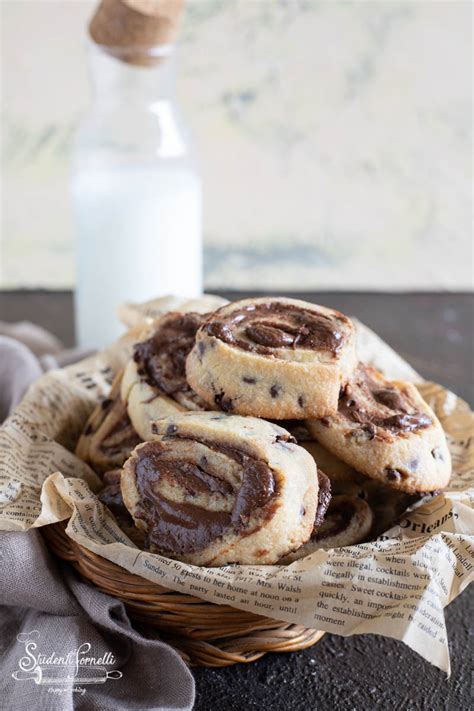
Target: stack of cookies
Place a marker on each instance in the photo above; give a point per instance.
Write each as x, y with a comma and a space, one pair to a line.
254, 435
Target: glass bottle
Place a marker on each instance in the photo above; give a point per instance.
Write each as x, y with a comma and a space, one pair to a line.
136, 193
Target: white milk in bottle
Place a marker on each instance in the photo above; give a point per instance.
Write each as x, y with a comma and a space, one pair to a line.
135, 186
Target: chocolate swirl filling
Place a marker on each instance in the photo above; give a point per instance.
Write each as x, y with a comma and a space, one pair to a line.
185, 501
161, 359
324, 499
120, 437
109, 435
111, 494
264, 327
341, 513
374, 404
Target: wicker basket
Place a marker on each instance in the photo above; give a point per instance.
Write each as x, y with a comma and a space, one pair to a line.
205, 634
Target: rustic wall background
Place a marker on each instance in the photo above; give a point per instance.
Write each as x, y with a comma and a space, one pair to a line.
335, 140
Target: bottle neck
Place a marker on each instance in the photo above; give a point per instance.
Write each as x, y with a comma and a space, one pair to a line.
116, 80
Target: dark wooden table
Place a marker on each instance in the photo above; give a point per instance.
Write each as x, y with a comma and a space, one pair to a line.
434, 333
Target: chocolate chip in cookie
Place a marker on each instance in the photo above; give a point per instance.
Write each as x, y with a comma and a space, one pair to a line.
275, 390
225, 403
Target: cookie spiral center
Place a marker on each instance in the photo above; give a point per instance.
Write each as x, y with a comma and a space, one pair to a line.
194, 492
161, 359
262, 328
341, 513
375, 405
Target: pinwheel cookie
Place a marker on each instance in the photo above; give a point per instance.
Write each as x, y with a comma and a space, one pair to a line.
154, 383
387, 504
385, 430
108, 437
272, 357
348, 521
212, 489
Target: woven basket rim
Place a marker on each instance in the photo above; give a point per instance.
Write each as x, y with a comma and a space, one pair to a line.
204, 633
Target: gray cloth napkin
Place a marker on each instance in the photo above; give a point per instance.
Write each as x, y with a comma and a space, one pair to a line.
45, 609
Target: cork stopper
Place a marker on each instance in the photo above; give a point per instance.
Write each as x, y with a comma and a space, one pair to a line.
135, 30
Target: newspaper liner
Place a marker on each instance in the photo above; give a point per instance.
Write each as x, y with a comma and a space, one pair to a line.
396, 586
